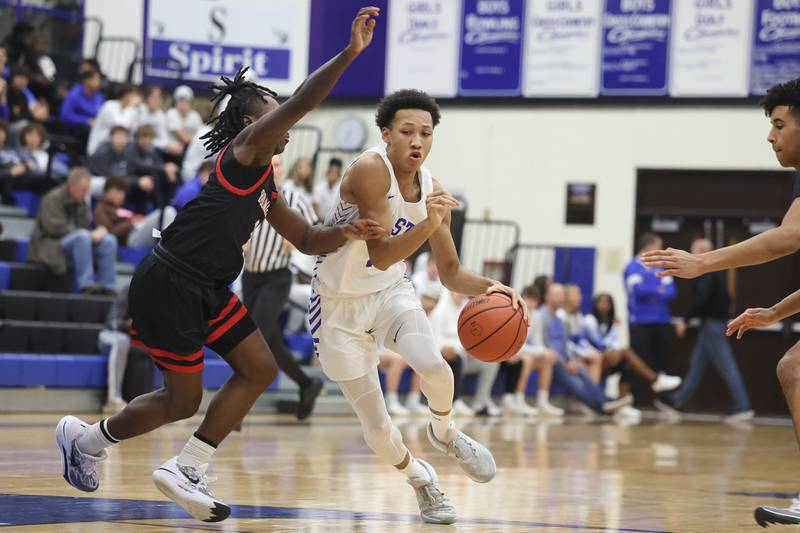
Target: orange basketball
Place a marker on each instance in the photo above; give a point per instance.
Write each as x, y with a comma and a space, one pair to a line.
490, 329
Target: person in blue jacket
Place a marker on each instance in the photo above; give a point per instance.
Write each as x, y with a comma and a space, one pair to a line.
649, 317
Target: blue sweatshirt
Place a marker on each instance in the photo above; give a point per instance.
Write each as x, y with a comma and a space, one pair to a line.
78, 107
648, 295
556, 334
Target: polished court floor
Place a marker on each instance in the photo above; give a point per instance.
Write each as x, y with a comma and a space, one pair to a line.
319, 476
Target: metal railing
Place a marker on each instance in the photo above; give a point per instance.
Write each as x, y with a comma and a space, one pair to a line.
486, 246
116, 55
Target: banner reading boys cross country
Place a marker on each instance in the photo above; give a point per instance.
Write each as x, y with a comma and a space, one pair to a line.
491, 47
776, 50
710, 48
423, 45
562, 48
207, 39
635, 46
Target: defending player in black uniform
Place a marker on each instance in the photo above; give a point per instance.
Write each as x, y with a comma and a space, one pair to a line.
179, 298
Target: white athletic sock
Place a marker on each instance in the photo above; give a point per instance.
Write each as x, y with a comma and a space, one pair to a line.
519, 397
441, 426
196, 453
415, 470
95, 439
391, 398
543, 397
412, 400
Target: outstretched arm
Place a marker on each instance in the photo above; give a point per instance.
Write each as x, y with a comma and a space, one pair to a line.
256, 143
318, 239
456, 276
762, 248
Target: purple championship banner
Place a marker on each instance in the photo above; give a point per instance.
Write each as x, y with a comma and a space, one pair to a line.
776, 46
491, 48
635, 47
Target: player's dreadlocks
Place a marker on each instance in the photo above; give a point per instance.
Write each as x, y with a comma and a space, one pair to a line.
244, 97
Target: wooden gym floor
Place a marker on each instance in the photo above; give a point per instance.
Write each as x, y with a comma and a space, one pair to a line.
319, 476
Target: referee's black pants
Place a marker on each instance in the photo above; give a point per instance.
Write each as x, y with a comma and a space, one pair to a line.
265, 296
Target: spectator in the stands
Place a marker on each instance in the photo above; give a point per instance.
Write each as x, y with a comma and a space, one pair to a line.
33, 141
82, 104
196, 154
4, 113
182, 120
19, 43
110, 158
11, 165
129, 229
151, 113
115, 337
326, 192
62, 237
122, 111
189, 190
301, 178
22, 103
144, 161
426, 282
4, 68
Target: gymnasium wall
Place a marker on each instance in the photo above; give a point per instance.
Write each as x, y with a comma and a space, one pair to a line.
515, 161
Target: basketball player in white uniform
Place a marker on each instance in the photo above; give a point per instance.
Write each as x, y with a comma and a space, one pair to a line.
362, 301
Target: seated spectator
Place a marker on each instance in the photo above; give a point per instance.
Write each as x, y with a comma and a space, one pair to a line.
4, 112
115, 337
151, 113
426, 282
534, 355
196, 154
4, 68
82, 104
602, 330
189, 190
144, 163
22, 103
301, 178
123, 224
569, 372
62, 236
182, 120
578, 343
11, 164
37, 159
326, 193
120, 112
110, 158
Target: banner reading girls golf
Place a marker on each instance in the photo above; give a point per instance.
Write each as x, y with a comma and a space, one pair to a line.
776, 49
635, 47
491, 47
203, 40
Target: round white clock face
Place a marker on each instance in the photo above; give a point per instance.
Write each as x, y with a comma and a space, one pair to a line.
351, 133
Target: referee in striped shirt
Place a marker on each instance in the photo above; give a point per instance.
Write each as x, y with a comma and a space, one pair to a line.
266, 283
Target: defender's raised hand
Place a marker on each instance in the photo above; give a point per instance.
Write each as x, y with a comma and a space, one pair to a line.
363, 25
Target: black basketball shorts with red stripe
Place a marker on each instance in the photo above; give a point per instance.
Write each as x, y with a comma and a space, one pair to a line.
174, 315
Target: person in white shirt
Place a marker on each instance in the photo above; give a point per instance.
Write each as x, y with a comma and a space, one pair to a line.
196, 154
327, 192
120, 112
150, 112
182, 120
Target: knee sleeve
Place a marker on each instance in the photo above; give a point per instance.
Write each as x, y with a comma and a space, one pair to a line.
381, 435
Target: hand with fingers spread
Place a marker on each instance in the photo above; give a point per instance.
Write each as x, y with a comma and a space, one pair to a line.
755, 317
678, 263
438, 204
362, 31
363, 229
516, 300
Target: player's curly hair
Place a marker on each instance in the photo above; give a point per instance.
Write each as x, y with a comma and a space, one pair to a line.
405, 99
786, 93
245, 95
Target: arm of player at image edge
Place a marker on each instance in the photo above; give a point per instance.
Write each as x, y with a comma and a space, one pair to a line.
318, 239
256, 143
368, 182
455, 276
759, 317
762, 248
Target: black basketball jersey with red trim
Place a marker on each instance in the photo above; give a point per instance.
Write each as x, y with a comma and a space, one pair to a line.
211, 230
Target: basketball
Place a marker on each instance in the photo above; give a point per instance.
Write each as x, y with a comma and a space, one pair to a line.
490, 329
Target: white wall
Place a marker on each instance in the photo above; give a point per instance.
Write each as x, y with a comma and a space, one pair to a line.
516, 162
121, 18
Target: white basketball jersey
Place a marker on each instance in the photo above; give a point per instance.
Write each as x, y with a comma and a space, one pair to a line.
348, 271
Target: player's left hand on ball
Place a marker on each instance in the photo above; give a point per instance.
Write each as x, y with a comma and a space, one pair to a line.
363, 26
363, 229
755, 317
516, 299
